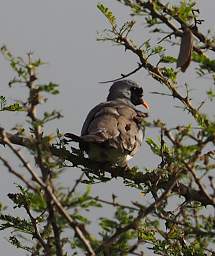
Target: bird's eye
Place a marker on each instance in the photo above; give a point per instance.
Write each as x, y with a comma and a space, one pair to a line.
137, 90
140, 90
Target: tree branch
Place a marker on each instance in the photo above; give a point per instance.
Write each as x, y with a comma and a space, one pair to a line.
18, 175
142, 214
133, 175
75, 225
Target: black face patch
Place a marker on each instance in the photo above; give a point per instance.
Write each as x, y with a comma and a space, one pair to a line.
136, 95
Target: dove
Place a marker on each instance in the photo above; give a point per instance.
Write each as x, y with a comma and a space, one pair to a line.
112, 132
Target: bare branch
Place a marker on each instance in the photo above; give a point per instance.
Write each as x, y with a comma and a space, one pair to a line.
37, 234
49, 190
123, 76
18, 175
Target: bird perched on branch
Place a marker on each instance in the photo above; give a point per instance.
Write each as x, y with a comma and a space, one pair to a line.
112, 132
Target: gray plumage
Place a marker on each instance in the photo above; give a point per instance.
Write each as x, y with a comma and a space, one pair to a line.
112, 131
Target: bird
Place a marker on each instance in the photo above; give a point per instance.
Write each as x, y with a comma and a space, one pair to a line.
112, 132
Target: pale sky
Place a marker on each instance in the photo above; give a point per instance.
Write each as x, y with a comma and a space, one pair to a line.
63, 34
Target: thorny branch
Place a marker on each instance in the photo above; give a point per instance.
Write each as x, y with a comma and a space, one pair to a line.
75, 225
149, 5
190, 165
124, 75
36, 230
157, 74
135, 176
42, 157
142, 214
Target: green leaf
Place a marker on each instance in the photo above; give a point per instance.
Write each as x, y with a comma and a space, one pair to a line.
107, 13
51, 88
14, 107
169, 73
168, 59
16, 223
205, 63
107, 224
2, 102
211, 94
158, 49
184, 10
14, 241
154, 147
81, 218
146, 235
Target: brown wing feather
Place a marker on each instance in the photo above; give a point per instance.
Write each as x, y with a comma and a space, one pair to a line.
116, 126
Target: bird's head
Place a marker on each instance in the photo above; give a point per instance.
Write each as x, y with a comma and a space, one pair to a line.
127, 91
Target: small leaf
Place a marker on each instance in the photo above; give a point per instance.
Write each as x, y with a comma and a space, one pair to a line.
169, 73
14, 107
211, 94
2, 102
154, 147
50, 88
107, 13
168, 59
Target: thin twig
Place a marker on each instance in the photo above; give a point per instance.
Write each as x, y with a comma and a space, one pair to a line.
21, 158
18, 175
72, 223
37, 234
115, 204
95, 168
142, 214
123, 76
168, 36
201, 187
75, 185
49, 190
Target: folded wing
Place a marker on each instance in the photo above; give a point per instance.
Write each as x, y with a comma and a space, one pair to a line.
115, 125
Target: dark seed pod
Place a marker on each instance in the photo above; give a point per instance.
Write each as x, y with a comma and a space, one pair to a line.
186, 48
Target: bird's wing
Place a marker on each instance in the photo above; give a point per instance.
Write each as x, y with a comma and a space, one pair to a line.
90, 117
115, 124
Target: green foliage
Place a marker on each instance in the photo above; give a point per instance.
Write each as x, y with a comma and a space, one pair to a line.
170, 73
157, 148
35, 201
19, 244
50, 116
158, 49
51, 88
167, 59
107, 13
211, 94
83, 201
2, 102
109, 227
178, 248
146, 230
206, 65
12, 107
184, 10
172, 219
154, 147
18, 224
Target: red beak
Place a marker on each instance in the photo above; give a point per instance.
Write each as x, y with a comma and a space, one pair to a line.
145, 104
